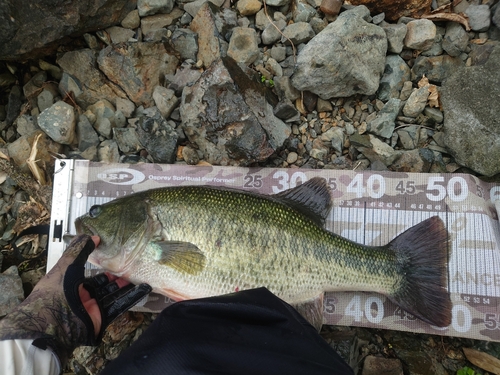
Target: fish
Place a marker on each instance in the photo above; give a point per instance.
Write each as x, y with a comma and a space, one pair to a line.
191, 242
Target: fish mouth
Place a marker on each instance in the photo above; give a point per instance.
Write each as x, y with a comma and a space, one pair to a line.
82, 228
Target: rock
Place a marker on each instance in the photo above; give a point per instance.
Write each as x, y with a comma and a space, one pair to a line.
226, 114
396, 73
395, 36
471, 122
165, 100
193, 7
344, 59
496, 17
384, 122
319, 153
125, 106
190, 155
120, 34
331, 7
318, 24
455, 40
248, 7
435, 114
323, 105
273, 67
297, 33
20, 150
285, 110
414, 161
302, 12
158, 137
380, 365
416, 102
34, 85
395, 9
152, 23
150, 7
243, 46
436, 48
420, 34
378, 18
131, 20
14, 105
12, 290
292, 157
108, 152
412, 136
30, 31
277, 3
210, 42
59, 122
45, 99
271, 35
479, 54
406, 90
285, 89
479, 17
337, 138
86, 135
185, 43
137, 68
127, 140
379, 151
26, 125
104, 117
185, 76
436, 69
82, 78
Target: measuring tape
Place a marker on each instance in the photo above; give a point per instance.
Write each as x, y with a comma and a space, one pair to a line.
368, 207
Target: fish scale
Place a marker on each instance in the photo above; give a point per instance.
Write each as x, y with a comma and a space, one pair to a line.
198, 241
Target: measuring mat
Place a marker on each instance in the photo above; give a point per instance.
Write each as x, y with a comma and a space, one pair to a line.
369, 207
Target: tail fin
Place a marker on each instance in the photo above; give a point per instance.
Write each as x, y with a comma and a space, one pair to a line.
422, 257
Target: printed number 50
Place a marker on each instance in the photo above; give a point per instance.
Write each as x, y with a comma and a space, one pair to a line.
457, 189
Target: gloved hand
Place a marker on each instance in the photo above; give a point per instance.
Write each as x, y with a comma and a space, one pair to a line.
54, 314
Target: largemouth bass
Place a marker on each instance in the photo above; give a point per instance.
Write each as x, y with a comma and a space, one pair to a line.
197, 241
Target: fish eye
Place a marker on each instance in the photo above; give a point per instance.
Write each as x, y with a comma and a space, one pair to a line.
95, 211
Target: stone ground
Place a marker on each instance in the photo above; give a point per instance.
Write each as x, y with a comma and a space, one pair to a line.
389, 118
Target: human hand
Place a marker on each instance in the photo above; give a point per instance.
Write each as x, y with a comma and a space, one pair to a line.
65, 309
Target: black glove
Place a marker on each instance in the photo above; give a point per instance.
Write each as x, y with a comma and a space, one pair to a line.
54, 316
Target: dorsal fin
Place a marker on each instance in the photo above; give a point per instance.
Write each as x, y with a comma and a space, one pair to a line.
312, 199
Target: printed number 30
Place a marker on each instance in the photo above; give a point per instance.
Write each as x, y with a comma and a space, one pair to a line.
287, 182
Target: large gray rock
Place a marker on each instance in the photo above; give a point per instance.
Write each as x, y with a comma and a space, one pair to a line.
471, 119
137, 68
31, 29
82, 78
346, 58
230, 118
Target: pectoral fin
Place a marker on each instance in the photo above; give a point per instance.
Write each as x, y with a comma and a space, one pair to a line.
312, 311
182, 256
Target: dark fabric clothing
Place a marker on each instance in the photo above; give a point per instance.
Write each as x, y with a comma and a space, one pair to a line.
249, 332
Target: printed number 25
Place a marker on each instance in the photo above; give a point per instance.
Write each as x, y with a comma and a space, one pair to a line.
252, 181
